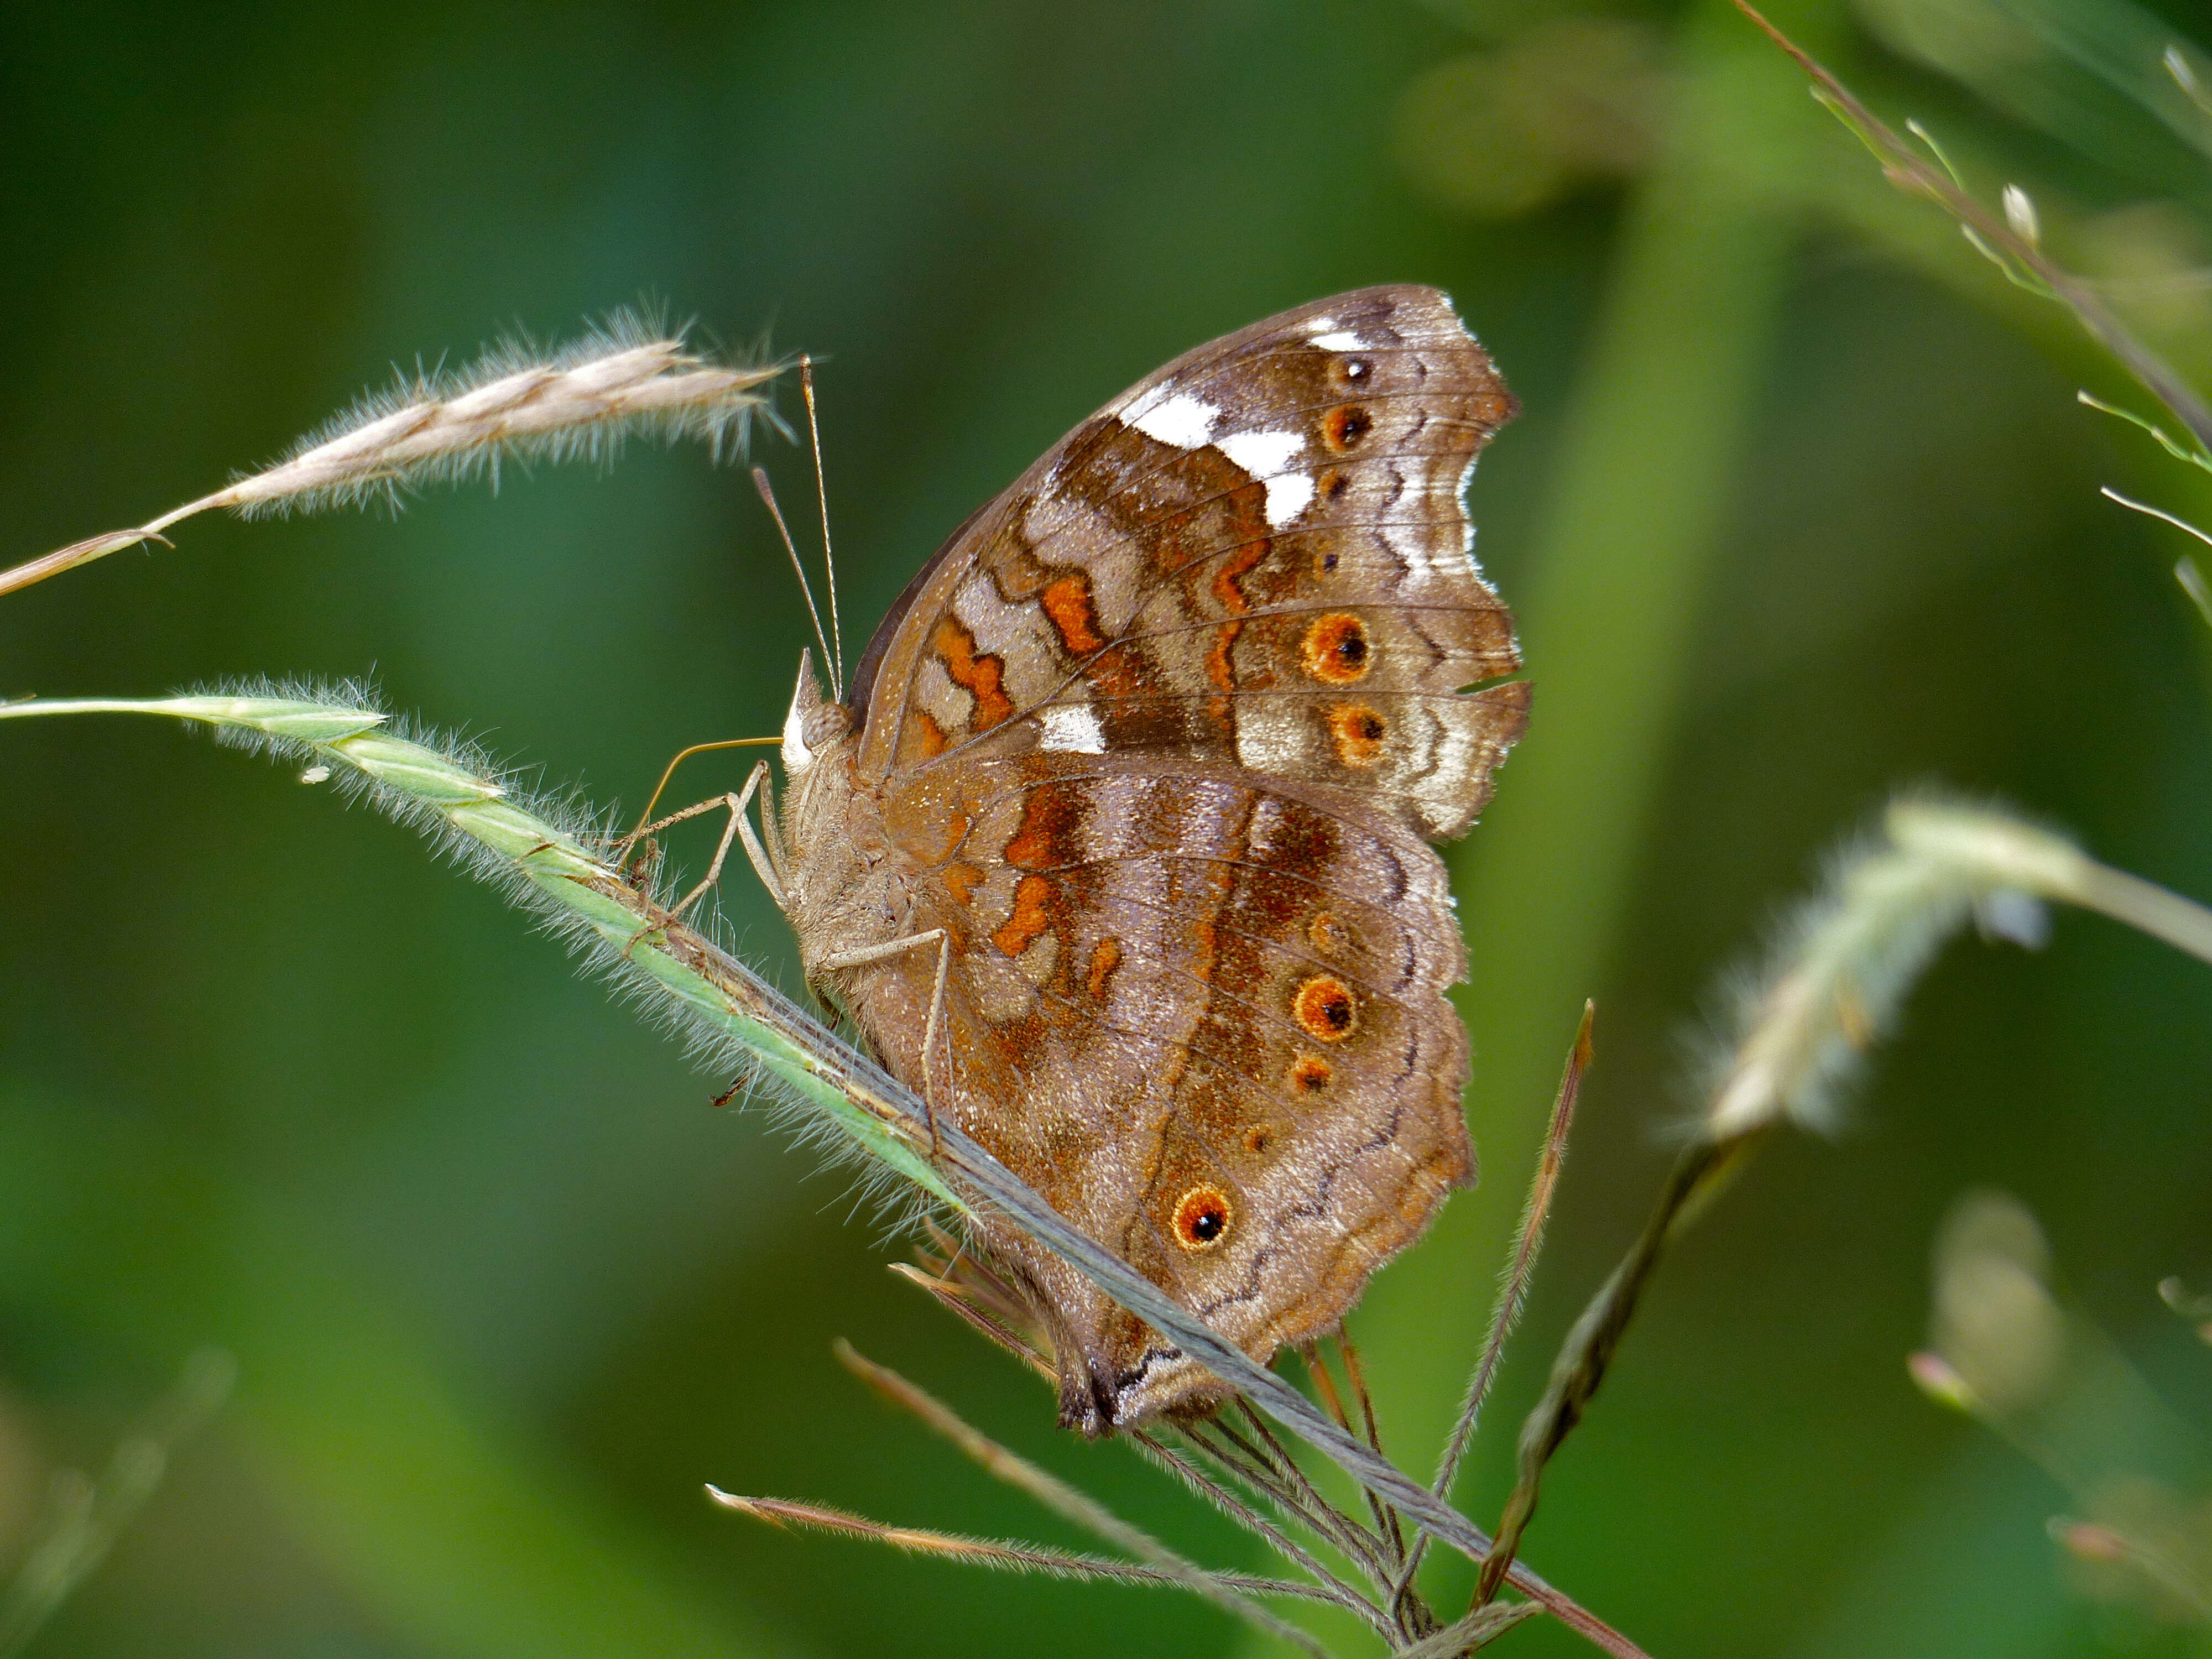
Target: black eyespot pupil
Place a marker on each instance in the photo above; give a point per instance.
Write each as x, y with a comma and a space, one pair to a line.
1329, 561
1370, 727
1337, 1013
1355, 368
1352, 648
1205, 1225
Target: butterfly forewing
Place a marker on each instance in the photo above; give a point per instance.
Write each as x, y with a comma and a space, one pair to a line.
1277, 515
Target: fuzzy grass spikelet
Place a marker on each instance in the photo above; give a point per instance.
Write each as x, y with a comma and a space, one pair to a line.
518, 401
541, 849
1838, 976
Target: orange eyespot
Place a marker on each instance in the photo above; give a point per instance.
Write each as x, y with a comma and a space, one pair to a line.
1310, 1074
1336, 649
1201, 1219
1345, 425
1333, 483
1259, 1138
1359, 732
1326, 934
1325, 1009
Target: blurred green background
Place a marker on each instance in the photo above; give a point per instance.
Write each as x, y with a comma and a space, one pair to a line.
1801, 510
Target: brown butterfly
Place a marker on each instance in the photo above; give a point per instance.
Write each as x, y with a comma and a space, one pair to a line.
1116, 848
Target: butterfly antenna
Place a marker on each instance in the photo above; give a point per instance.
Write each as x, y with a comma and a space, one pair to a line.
768, 494
821, 494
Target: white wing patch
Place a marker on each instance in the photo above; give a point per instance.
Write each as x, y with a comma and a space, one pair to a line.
1183, 420
1342, 340
1288, 494
1264, 455
1071, 728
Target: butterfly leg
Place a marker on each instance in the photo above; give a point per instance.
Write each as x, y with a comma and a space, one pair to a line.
930, 1028
740, 829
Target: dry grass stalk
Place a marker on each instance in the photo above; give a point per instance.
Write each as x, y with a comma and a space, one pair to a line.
1843, 970
1065, 1500
2011, 240
1015, 1558
1520, 1268
579, 402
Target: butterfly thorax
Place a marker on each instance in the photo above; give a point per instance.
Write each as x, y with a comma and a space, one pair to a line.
842, 894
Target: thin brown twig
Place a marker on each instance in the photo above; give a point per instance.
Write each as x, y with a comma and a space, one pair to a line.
950, 1298
1513, 1289
1358, 1381
1587, 1353
1018, 1558
1386, 1529
1069, 1502
1365, 1546
1245, 1516
1293, 1495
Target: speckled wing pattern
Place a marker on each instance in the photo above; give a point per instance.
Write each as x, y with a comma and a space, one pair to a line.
1164, 732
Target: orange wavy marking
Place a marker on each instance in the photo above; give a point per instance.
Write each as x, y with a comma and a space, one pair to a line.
1209, 951
1068, 603
961, 880
929, 735
1225, 580
1103, 961
1028, 921
1217, 668
1114, 673
1047, 821
982, 677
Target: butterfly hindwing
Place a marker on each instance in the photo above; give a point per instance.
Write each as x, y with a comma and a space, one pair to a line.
1176, 979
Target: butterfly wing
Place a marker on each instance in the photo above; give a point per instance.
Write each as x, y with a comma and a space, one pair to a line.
1164, 732
1186, 991
1258, 556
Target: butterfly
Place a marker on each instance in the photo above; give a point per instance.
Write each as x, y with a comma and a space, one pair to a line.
1117, 847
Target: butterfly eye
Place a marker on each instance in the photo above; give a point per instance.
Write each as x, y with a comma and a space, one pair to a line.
1325, 1010
1201, 1219
1345, 425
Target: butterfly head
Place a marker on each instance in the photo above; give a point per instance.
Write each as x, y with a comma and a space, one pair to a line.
814, 720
